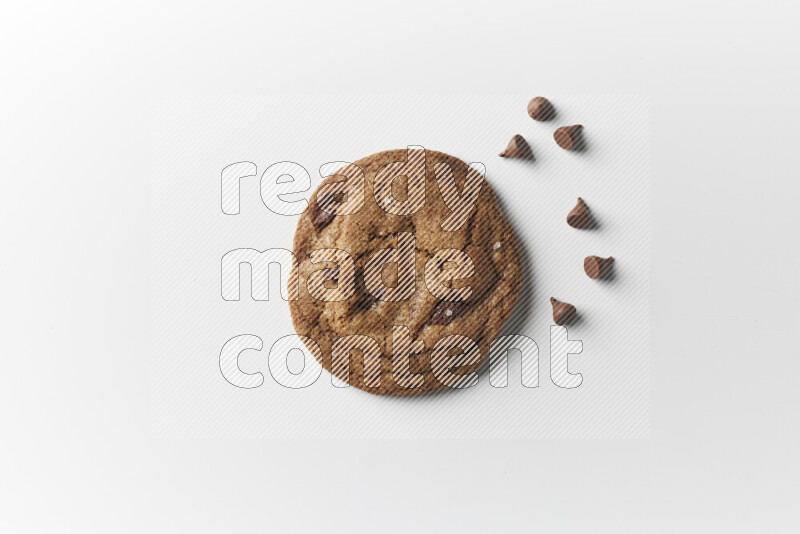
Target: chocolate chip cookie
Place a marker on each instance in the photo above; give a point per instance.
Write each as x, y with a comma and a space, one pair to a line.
407, 272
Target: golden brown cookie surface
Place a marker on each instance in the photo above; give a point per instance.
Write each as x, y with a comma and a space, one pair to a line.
485, 236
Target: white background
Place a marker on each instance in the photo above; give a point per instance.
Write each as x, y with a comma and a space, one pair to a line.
195, 138
78, 453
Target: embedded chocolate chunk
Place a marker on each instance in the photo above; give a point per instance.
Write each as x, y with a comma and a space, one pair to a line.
329, 200
446, 312
326, 202
365, 302
323, 219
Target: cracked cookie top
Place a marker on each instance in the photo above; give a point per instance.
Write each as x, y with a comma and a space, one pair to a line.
389, 309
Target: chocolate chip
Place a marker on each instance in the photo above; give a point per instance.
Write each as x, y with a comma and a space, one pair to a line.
540, 109
568, 137
563, 313
517, 148
595, 266
580, 217
326, 202
323, 219
446, 312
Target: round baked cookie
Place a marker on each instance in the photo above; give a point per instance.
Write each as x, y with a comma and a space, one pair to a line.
485, 236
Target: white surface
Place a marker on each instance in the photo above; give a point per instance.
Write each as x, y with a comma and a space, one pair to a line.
195, 138
78, 452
